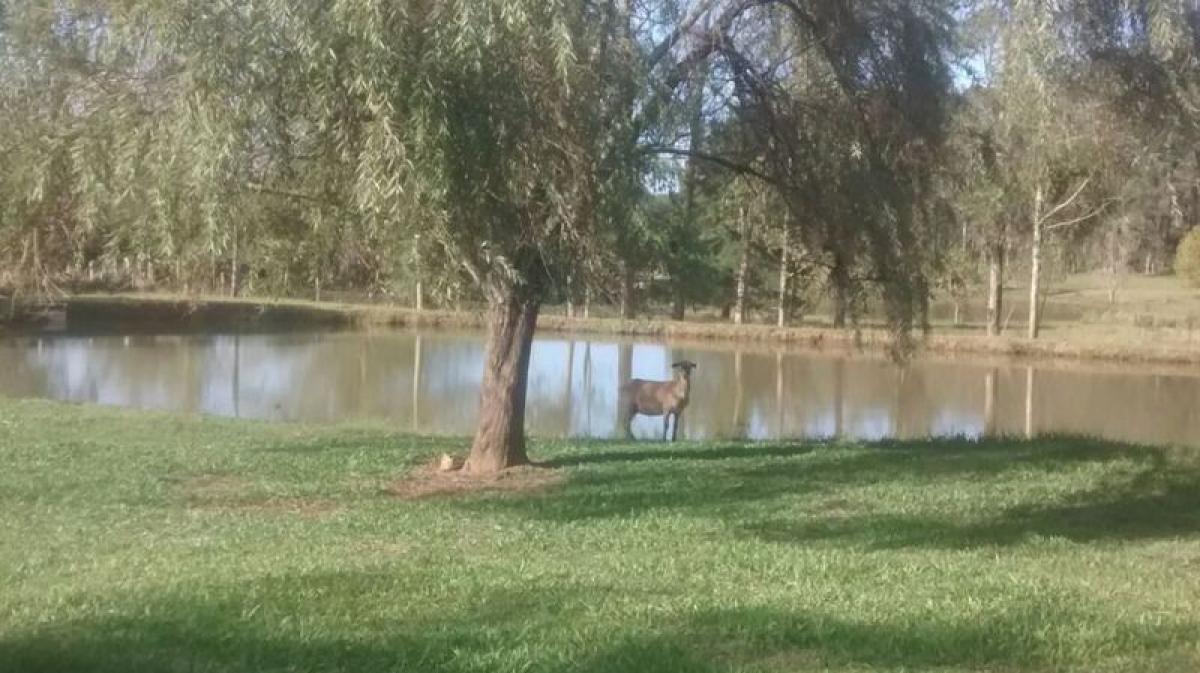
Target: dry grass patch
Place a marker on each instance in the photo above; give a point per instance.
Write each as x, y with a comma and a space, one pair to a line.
431, 480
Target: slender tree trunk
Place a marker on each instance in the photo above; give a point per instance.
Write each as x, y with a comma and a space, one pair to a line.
419, 299
739, 308
570, 297
839, 276
587, 302
1035, 265
627, 309
995, 304
234, 276
781, 318
678, 306
500, 438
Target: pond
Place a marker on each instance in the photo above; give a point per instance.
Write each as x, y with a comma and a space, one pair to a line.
427, 382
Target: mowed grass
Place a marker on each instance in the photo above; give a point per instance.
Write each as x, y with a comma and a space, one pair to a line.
146, 542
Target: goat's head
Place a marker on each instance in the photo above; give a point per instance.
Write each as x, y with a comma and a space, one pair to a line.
683, 368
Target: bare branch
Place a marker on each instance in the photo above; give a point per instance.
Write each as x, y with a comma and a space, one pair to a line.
1057, 209
1059, 225
712, 158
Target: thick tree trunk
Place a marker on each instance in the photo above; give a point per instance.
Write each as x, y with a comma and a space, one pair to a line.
678, 306
500, 438
995, 303
1035, 265
739, 308
781, 318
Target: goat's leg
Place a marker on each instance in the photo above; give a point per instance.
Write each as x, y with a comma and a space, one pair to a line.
629, 423
666, 424
675, 430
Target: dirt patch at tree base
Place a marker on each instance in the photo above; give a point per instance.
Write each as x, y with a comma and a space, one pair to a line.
431, 480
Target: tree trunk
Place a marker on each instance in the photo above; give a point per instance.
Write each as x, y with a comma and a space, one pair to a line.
781, 318
419, 299
500, 438
678, 306
1035, 265
839, 277
739, 309
587, 302
995, 302
627, 309
570, 297
234, 276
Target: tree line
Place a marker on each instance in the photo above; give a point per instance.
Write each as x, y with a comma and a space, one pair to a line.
872, 155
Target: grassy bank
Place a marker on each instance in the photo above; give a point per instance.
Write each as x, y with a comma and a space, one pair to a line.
1106, 340
146, 542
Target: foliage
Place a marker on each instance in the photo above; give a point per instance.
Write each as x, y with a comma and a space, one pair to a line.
1187, 257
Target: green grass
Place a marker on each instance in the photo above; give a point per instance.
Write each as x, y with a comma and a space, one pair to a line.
145, 542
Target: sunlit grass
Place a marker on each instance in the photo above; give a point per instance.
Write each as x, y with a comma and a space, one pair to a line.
146, 542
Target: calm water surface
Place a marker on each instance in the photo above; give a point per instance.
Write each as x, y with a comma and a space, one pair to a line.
428, 382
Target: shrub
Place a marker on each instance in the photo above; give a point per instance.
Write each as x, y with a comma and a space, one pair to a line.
1187, 257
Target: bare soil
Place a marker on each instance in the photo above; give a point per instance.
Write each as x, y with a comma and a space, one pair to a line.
429, 480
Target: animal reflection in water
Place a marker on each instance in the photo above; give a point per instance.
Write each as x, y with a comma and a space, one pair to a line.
659, 398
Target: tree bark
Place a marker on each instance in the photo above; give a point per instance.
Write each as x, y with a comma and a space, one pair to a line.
995, 302
500, 438
419, 299
627, 309
570, 297
839, 277
678, 306
1035, 265
739, 308
234, 276
781, 318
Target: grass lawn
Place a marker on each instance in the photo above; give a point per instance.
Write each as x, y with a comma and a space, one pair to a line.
147, 542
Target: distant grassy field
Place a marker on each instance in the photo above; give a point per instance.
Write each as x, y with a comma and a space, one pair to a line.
147, 542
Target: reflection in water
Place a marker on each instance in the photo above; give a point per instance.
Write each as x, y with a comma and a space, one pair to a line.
429, 382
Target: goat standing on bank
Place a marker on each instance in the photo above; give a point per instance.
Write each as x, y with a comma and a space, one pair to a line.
659, 398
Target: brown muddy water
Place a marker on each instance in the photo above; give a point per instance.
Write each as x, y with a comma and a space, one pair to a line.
427, 382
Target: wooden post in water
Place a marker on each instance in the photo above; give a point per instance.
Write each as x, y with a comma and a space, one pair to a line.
839, 393
989, 403
1029, 429
569, 394
779, 394
416, 387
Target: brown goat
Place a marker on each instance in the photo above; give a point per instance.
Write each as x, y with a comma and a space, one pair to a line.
659, 398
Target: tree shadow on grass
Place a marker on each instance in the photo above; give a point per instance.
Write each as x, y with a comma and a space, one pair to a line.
683, 452
1145, 492
339, 622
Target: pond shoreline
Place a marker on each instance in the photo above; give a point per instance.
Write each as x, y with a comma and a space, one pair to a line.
132, 312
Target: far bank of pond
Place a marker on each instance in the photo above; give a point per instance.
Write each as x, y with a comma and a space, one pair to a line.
1063, 341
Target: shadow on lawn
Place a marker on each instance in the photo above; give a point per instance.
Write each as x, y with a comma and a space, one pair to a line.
348, 622
1144, 492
